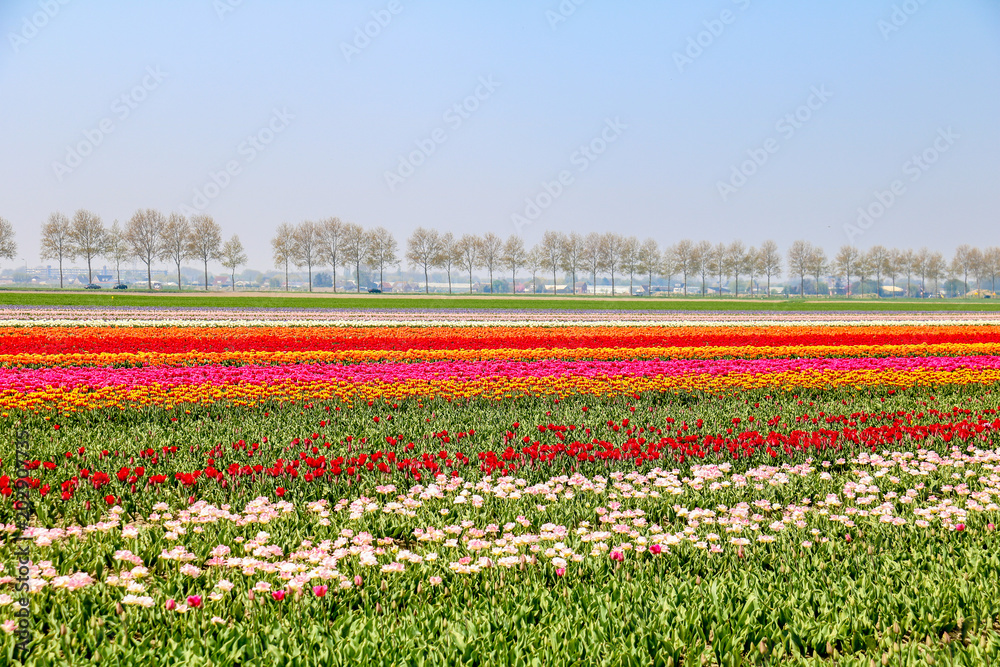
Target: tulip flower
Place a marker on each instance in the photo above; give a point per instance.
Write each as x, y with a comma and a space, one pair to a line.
959, 527
618, 556
194, 601
278, 595
655, 549
171, 604
319, 591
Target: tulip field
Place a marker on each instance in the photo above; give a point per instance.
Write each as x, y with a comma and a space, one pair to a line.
214, 486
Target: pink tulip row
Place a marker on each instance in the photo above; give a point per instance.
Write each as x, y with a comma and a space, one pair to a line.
27, 379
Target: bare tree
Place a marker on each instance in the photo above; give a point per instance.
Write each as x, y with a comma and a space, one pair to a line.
684, 255
573, 252
56, 243
967, 260
702, 263
205, 241
611, 254
592, 257
514, 255
381, 250
630, 260
306, 247
448, 256
670, 264
354, 248
649, 261
551, 250
717, 262
8, 246
935, 268
991, 265
467, 254
283, 247
116, 248
818, 264
752, 264
423, 249
878, 263
330, 232
233, 256
799, 262
920, 259
87, 236
769, 262
174, 242
143, 236
907, 260
490, 253
736, 259
845, 263
536, 263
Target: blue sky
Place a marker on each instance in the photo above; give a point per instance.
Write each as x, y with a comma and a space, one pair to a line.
163, 96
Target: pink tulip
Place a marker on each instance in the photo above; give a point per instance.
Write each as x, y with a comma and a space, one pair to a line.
560, 571
959, 527
278, 595
655, 549
194, 601
319, 591
991, 526
357, 580
847, 538
171, 604
617, 555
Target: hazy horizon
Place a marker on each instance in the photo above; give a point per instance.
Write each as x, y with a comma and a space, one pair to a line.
463, 117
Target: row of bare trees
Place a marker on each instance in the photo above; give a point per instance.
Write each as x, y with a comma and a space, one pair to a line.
592, 254
148, 236
333, 242
881, 264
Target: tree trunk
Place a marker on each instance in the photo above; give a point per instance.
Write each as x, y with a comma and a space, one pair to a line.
178, 276
206, 274
149, 274
309, 269
427, 289
60, 273
234, 279
90, 278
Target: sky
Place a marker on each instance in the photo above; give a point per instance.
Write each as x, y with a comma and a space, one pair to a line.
849, 121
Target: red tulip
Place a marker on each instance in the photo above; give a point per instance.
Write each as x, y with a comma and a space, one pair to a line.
319, 591
960, 527
194, 601
278, 595
655, 549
